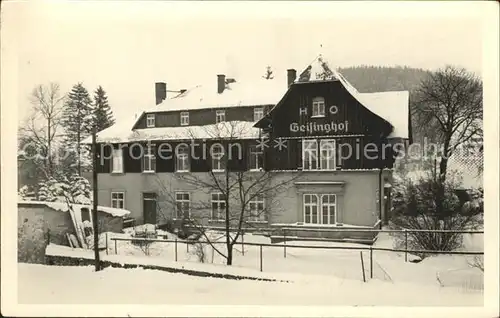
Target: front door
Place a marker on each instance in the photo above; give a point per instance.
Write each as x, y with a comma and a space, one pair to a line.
149, 207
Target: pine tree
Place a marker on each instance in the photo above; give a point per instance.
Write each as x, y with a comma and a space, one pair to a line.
269, 73
81, 192
103, 112
77, 120
46, 191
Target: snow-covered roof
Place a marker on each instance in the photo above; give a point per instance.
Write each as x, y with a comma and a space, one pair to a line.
224, 130
392, 106
63, 207
245, 93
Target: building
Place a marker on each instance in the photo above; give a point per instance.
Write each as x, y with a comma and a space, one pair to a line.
309, 124
41, 223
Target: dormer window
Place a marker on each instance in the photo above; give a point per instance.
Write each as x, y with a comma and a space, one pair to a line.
184, 118
220, 116
150, 120
258, 113
318, 107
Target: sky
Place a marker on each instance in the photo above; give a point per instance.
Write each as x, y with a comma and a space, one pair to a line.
127, 46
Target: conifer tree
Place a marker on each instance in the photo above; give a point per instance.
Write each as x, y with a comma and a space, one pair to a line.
77, 120
103, 112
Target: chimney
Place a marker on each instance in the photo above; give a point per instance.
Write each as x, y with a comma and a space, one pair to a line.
160, 92
291, 76
221, 83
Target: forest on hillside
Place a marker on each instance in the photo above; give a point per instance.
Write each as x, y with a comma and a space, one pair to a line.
369, 79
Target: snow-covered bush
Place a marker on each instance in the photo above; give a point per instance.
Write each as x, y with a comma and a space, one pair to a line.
419, 211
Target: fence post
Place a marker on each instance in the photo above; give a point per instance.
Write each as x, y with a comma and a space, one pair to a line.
406, 245
260, 257
371, 262
284, 243
107, 243
362, 266
176, 249
116, 248
242, 243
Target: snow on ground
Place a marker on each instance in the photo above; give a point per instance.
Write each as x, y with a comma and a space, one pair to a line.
451, 271
42, 284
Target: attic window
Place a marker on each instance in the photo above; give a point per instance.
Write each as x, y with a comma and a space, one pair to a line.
184, 118
220, 116
258, 113
150, 120
318, 107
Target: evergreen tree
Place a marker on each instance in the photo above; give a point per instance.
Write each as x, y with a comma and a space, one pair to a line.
269, 73
103, 112
77, 121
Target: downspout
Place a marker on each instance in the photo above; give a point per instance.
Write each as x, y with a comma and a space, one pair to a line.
380, 196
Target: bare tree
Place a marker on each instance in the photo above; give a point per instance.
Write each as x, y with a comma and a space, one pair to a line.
41, 126
449, 103
233, 196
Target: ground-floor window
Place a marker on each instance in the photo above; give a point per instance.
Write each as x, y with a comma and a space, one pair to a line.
182, 205
256, 208
320, 208
218, 206
118, 200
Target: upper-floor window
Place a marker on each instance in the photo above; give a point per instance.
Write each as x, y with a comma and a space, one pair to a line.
256, 158
184, 118
220, 116
258, 113
182, 205
149, 159
150, 120
182, 158
217, 157
318, 107
310, 154
318, 155
117, 163
327, 154
218, 206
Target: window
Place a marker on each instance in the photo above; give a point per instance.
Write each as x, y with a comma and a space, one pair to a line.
328, 209
117, 163
184, 118
327, 154
150, 120
218, 206
258, 113
220, 116
182, 205
322, 211
182, 155
149, 159
318, 107
85, 214
256, 158
256, 208
310, 208
217, 157
310, 154
118, 200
